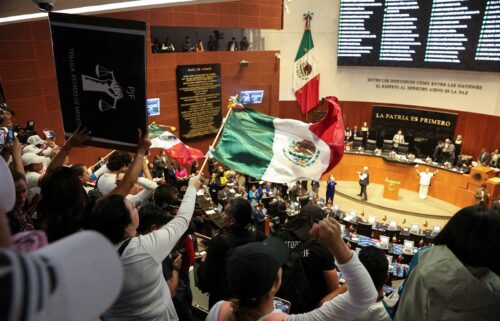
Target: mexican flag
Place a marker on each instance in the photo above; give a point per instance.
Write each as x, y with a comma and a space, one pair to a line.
282, 150
173, 146
305, 71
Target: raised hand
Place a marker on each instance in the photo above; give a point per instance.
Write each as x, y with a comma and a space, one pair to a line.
143, 142
80, 137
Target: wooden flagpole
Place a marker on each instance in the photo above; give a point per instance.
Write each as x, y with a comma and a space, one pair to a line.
105, 157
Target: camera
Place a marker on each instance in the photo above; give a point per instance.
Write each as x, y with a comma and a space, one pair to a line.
44, 5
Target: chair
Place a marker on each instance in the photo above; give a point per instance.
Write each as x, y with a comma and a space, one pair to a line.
364, 229
358, 142
371, 144
304, 200
388, 145
416, 238
266, 200
392, 233
403, 148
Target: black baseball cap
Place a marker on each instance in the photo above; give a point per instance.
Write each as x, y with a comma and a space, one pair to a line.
251, 269
309, 214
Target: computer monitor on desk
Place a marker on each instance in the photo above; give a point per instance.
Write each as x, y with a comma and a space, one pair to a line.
415, 228
408, 247
393, 225
384, 242
435, 230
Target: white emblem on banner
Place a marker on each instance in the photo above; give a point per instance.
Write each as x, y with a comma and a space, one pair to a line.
105, 83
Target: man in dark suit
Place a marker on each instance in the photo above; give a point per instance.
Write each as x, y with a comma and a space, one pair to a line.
438, 150
355, 133
484, 157
223, 195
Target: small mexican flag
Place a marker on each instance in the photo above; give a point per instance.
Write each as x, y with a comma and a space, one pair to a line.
305, 71
173, 146
282, 150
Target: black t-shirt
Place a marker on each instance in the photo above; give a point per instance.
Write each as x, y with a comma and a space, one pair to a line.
315, 259
211, 273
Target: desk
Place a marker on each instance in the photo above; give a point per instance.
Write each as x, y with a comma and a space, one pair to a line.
447, 185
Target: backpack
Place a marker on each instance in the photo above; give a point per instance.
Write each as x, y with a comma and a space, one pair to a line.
95, 193
295, 285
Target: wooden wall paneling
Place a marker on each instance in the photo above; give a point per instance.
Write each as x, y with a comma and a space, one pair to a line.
16, 32
12, 50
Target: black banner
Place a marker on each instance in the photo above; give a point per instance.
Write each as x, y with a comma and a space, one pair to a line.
199, 98
101, 74
422, 129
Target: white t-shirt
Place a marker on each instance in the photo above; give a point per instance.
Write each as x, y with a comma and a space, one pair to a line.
347, 306
32, 182
107, 182
145, 294
425, 178
376, 312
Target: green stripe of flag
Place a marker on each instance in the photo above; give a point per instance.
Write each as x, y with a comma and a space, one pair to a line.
247, 142
305, 45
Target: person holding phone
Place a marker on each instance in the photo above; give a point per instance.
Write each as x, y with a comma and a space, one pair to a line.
254, 277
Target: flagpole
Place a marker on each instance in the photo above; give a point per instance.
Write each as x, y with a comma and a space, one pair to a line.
105, 157
233, 102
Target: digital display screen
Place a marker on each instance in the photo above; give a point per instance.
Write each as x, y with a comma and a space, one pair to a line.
252, 97
445, 34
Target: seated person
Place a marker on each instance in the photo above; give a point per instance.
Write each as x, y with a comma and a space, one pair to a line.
484, 157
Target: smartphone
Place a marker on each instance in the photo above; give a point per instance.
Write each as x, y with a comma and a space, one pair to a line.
3, 135
11, 136
282, 304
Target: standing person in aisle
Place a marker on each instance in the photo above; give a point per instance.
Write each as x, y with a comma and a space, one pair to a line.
364, 181
330, 189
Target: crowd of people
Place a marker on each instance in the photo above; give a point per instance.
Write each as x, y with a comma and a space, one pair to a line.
212, 44
149, 211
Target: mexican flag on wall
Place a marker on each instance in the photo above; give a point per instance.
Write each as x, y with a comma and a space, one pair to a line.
282, 150
305, 71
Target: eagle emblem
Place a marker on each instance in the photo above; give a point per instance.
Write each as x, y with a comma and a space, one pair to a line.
302, 153
303, 70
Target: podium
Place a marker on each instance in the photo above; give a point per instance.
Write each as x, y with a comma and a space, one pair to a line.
479, 175
391, 189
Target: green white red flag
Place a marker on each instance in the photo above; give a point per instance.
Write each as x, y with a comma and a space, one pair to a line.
306, 72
